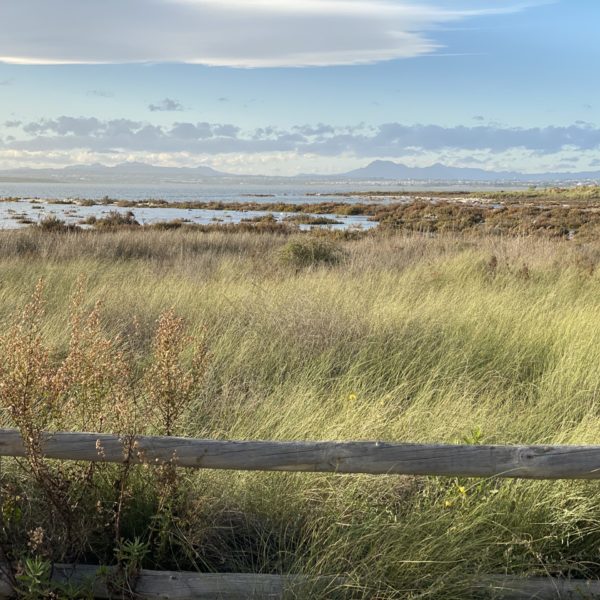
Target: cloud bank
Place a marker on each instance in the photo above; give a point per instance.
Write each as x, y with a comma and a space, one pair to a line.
233, 33
388, 139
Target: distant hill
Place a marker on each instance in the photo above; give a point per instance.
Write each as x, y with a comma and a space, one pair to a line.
385, 169
134, 172
142, 173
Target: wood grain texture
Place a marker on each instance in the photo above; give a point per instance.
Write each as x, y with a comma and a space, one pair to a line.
527, 462
540, 588
171, 585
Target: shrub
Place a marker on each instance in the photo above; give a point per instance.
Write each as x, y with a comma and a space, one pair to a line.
167, 225
270, 218
311, 251
115, 219
54, 224
311, 220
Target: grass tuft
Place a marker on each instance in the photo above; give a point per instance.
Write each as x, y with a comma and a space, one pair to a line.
311, 251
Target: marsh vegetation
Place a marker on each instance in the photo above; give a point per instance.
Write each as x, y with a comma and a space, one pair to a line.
567, 213
394, 335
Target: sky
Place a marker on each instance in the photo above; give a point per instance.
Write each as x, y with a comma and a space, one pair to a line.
281, 87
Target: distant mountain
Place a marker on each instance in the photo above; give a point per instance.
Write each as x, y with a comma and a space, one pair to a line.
142, 173
133, 172
131, 168
386, 169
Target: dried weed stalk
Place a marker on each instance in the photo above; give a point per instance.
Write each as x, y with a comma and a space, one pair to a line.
99, 385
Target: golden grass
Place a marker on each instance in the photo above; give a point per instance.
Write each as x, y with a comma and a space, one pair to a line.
407, 338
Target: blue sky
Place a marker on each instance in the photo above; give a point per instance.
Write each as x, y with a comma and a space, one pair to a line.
287, 86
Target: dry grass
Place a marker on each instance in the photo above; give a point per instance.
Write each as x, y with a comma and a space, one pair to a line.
408, 338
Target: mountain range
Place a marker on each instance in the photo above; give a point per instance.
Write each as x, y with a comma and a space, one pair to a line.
132, 172
136, 172
385, 169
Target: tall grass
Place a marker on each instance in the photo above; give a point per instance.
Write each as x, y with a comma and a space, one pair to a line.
409, 338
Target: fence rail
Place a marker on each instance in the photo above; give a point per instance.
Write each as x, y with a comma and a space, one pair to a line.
375, 458
103, 584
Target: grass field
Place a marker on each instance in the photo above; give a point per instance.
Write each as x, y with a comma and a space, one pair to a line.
395, 336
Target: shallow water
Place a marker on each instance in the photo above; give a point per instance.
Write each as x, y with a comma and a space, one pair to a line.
13, 215
230, 190
221, 190
297, 193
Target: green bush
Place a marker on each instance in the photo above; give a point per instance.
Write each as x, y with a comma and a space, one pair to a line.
311, 251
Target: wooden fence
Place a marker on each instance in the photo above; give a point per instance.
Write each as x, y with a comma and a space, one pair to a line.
374, 458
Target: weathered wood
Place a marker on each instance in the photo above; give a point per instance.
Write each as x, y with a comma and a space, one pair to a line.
172, 585
527, 462
540, 588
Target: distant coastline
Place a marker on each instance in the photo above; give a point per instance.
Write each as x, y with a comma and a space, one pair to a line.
379, 171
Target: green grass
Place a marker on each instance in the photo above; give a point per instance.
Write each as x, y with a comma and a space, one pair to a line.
407, 338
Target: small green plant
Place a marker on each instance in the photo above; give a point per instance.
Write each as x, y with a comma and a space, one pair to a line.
130, 555
474, 438
33, 582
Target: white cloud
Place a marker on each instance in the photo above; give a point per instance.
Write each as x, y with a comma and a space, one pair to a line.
292, 163
387, 139
318, 147
235, 33
166, 105
100, 93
